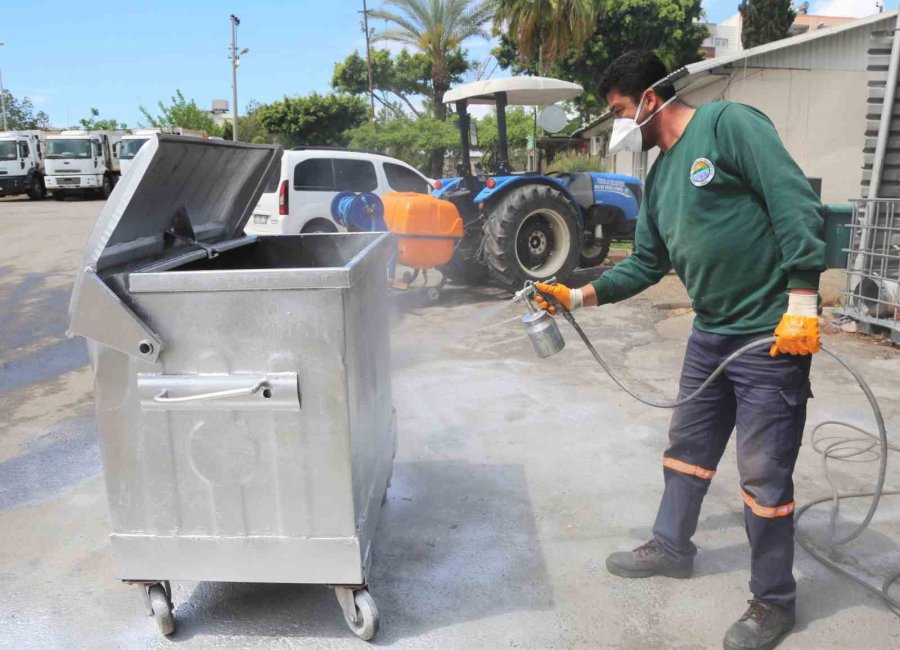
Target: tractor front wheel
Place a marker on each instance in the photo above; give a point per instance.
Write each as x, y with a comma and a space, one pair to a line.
593, 254
532, 234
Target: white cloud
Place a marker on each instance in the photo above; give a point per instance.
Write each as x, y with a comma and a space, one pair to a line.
855, 8
39, 98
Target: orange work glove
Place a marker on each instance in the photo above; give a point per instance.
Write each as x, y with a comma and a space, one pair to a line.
798, 331
569, 298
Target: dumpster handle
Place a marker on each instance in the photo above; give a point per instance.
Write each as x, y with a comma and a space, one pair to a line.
250, 390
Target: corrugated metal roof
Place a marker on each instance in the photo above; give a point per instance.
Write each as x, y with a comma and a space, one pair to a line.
843, 47
879, 53
775, 52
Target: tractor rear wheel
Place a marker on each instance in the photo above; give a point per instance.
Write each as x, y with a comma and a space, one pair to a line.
532, 234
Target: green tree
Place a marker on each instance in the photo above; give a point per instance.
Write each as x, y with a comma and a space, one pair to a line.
320, 120
404, 76
519, 125
764, 21
668, 27
20, 114
182, 113
410, 139
436, 28
251, 127
545, 30
94, 123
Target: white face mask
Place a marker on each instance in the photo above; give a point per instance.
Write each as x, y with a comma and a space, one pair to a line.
626, 131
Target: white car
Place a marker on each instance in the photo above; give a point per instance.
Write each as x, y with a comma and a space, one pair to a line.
311, 176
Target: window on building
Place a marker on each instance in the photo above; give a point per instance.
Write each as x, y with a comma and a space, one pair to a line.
403, 179
721, 42
354, 175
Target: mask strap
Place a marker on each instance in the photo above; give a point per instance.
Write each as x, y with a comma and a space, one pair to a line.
650, 117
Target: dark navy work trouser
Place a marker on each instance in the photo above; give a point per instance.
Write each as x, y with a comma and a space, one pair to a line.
764, 398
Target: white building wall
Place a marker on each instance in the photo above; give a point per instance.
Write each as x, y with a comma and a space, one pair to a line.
820, 116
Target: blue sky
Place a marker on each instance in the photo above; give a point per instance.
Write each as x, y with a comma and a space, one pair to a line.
68, 58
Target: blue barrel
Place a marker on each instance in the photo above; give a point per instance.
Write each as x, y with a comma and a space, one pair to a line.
359, 212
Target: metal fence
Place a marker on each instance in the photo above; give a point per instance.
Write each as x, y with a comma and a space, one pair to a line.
872, 293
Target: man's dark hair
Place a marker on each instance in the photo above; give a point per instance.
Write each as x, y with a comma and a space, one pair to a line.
633, 73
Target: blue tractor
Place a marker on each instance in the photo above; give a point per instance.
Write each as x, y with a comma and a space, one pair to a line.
530, 226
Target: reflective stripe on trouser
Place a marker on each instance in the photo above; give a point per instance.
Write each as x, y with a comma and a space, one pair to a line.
765, 398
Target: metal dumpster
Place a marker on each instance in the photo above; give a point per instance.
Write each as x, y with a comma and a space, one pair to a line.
242, 383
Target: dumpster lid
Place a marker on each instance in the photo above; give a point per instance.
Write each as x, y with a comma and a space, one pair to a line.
180, 194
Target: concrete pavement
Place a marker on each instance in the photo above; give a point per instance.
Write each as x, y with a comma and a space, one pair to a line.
515, 477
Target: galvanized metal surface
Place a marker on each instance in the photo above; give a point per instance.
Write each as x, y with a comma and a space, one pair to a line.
286, 476
872, 292
104, 317
209, 185
256, 441
181, 197
544, 334
330, 262
881, 150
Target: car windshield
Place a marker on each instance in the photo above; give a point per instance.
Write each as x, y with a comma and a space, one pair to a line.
129, 148
68, 149
8, 151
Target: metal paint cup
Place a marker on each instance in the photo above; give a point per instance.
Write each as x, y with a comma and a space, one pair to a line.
542, 330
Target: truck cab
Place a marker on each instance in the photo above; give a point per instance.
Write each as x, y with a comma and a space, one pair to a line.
22, 164
131, 144
82, 162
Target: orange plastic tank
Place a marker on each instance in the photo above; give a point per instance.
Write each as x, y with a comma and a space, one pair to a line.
433, 228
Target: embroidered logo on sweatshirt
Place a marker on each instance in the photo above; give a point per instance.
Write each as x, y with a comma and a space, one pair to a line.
702, 172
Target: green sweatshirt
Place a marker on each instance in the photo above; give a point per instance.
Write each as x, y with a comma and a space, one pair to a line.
731, 211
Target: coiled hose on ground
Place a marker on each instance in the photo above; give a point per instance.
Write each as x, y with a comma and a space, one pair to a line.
834, 448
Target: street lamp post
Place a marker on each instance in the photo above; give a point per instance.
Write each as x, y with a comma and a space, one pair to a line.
365, 13
3, 99
235, 62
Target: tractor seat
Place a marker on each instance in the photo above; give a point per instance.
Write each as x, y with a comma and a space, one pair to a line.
581, 186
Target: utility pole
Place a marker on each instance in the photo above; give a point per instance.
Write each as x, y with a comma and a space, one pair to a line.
3, 98
235, 62
365, 13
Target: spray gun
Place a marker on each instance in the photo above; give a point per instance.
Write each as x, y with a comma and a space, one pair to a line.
542, 330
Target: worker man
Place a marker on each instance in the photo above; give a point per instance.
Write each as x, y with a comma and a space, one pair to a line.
730, 210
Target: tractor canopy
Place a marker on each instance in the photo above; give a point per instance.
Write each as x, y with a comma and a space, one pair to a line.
517, 91
509, 91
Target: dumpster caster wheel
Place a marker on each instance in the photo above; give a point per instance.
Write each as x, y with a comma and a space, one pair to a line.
434, 293
161, 605
363, 621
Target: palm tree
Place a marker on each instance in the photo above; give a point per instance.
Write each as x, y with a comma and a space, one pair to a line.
546, 29
437, 28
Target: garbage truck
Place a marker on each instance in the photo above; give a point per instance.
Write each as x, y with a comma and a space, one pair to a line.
82, 162
132, 143
22, 164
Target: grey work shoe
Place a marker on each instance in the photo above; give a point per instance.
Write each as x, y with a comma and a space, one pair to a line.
762, 627
648, 560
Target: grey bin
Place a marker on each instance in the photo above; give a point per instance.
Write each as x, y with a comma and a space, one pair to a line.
242, 383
